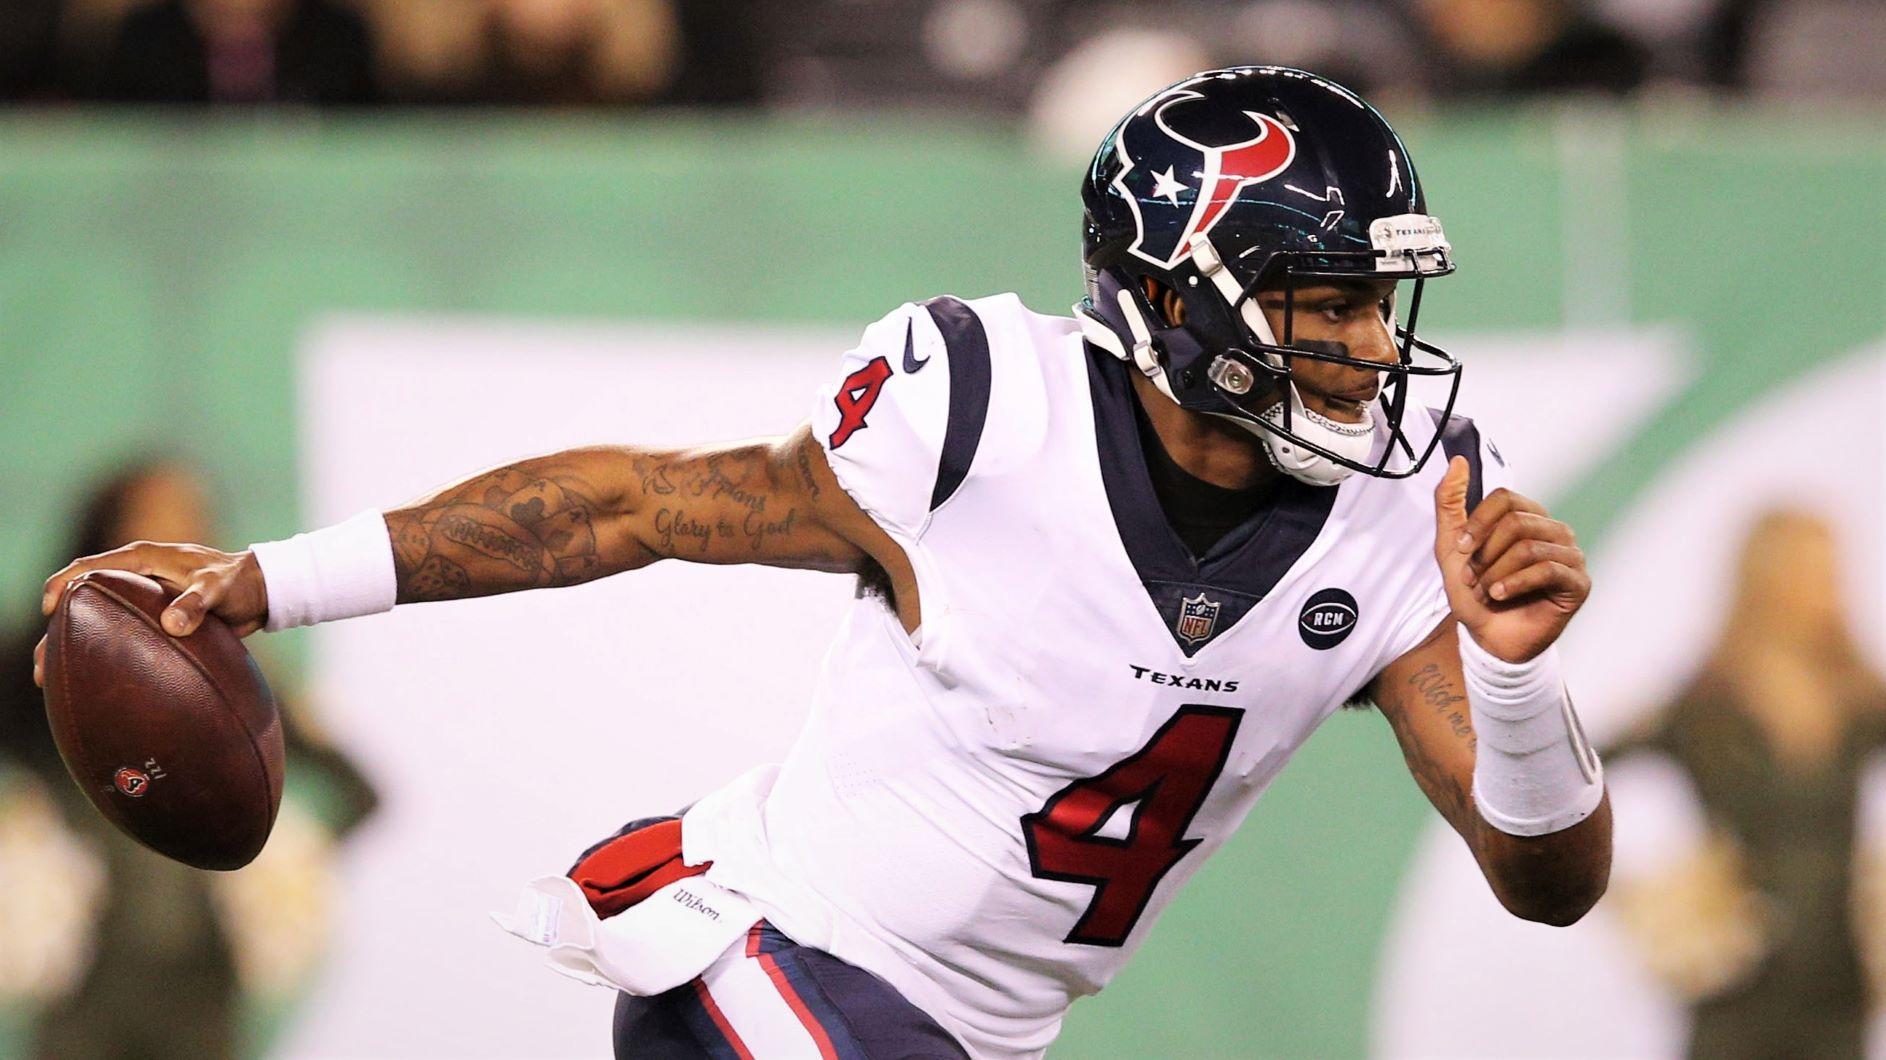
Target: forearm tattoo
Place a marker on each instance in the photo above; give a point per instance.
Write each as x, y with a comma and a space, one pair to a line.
518, 527
1430, 688
1441, 696
577, 516
1553, 877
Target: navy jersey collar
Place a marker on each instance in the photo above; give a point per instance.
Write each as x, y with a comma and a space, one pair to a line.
1238, 571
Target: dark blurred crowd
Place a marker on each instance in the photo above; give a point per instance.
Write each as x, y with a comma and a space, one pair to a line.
369, 52
997, 55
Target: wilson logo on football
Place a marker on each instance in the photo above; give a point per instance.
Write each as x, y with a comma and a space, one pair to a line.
132, 782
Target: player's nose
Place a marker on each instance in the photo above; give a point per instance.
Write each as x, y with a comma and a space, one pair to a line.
1371, 341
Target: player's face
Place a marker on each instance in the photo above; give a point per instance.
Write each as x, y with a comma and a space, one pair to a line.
1352, 314
168, 504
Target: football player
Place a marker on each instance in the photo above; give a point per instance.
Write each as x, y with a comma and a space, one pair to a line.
1212, 484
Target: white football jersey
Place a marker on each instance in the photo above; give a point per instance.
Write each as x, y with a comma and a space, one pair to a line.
991, 814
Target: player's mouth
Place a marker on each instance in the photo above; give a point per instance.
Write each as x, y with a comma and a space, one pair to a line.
1348, 405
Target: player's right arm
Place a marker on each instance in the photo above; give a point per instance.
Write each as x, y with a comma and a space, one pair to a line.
568, 518
584, 514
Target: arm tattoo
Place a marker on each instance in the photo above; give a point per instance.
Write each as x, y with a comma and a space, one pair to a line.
1554, 877
580, 515
1431, 689
802, 459
728, 507
504, 530
1439, 694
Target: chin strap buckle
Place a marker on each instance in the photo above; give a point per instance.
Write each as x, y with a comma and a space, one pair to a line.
1231, 376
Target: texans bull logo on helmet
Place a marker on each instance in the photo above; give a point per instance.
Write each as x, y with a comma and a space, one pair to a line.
1229, 160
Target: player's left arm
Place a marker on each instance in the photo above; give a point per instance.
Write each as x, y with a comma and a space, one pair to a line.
1514, 577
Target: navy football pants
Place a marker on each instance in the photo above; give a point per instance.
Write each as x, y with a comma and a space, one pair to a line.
766, 998
776, 998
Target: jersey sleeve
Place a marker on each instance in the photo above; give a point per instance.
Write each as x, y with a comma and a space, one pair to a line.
901, 418
1425, 607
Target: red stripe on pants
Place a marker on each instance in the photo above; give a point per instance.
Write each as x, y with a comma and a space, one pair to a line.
793, 1000
720, 1021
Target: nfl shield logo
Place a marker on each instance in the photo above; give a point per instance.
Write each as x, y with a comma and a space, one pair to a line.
1197, 618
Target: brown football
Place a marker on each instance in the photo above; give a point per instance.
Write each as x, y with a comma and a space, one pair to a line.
176, 740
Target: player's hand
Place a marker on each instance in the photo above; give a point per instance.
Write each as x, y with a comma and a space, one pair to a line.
1514, 575
226, 584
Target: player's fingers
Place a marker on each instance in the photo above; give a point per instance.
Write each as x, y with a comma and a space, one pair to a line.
55, 586
1525, 553
1518, 502
172, 564
1519, 526
1491, 510
186, 612
1450, 507
39, 663
1480, 521
1543, 579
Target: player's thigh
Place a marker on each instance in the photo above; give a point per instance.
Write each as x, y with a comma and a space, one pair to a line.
770, 997
656, 1028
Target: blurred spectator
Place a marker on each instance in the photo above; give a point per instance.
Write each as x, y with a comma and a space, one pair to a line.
1724, 42
123, 952
1086, 92
946, 55
427, 50
1679, 35
1135, 49
1362, 44
1524, 47
721, 59
572, 52
29, 49
1763, 930
241, 51
527, 52
1818, 48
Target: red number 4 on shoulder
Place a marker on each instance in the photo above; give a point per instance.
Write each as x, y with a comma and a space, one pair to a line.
856, 396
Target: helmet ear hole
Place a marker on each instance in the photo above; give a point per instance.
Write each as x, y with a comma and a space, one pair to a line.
1165, 302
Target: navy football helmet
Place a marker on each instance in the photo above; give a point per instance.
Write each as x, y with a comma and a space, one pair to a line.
1254, 178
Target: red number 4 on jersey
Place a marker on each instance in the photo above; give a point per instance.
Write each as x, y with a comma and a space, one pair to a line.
1169, 778
855, 398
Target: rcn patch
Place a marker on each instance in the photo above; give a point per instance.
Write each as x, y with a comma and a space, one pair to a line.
1327, 619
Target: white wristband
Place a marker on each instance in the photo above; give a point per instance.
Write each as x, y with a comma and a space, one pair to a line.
343, 571
1534, 772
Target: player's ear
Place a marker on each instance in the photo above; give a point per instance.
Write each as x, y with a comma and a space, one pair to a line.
1166, 301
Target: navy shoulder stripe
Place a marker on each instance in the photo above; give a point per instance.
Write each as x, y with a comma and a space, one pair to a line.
1461, 438
968, 347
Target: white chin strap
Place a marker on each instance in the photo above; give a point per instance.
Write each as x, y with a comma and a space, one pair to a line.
1141, 355
1352, 441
